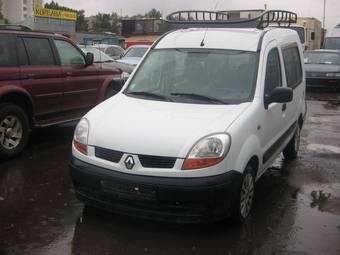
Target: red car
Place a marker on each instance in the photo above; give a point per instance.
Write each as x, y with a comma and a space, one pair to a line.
45, 79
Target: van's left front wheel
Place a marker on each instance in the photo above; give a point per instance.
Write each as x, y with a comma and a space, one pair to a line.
245, 198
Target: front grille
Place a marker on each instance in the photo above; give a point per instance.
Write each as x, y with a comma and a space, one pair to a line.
156, 161
110, 155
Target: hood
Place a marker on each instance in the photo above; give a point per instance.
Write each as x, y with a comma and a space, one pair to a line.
149, 127
130, 60
321, 68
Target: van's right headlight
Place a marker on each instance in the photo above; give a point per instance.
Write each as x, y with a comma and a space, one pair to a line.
81, 135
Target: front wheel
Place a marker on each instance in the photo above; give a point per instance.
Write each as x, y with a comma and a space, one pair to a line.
292, 148
245, 198
14, 130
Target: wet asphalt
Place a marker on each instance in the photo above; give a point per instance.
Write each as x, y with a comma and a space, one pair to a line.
296, 211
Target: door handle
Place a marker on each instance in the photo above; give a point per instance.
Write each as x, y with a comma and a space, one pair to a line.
284, 107
31, 76
68, 73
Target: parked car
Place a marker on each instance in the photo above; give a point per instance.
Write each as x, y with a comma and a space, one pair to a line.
197, 124
322, 68
44, 80
114, 51
134, 54
101, 58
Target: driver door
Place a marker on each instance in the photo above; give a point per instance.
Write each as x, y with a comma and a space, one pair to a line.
81, 82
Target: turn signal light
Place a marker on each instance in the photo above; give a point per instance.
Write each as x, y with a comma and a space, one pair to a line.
190, 164
82, 148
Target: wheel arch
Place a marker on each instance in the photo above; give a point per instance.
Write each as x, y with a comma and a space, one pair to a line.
249, 154
106, 84
21, 98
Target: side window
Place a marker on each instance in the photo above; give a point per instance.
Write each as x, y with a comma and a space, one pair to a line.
68, 54
291, 58
39, 51
22, 53
273, 72
7, 52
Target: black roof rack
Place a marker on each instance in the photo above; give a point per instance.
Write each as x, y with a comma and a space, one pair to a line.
213, 19
15, 27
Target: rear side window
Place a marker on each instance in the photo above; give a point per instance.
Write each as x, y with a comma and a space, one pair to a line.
292, 60
68, 54
39, 51
8, 57
273, 72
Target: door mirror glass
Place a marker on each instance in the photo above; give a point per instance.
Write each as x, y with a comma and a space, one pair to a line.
279, 95
89, 59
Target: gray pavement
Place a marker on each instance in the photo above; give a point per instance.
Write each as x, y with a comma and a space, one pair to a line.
39, 213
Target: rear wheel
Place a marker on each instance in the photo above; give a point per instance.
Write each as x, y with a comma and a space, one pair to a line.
245, 198
14, 130
292, 148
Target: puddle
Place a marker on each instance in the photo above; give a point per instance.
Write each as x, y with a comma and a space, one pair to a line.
323, 148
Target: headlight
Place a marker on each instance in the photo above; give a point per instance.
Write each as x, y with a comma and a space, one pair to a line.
333, 75
80, 136
208, 151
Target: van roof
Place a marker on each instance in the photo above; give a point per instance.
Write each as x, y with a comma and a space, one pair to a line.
245, 39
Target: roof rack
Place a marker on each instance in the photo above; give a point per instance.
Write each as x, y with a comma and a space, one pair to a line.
212, 19
15, 27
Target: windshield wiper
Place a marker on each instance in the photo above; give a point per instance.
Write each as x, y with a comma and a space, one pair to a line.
150, 94
200, 97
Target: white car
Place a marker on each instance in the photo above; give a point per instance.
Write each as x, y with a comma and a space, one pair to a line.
198, 122
114, 51
134, 54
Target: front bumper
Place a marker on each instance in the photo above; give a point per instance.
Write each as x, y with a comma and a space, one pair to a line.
161, 198
322, 83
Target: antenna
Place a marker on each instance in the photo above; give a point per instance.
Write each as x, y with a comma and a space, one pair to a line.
206, 30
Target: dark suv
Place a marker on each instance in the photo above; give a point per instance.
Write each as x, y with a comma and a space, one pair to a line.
45, 79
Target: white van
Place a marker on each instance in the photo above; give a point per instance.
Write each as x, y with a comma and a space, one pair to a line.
199, 121
332, 40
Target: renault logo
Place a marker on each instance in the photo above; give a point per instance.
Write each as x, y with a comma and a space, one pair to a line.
129, 162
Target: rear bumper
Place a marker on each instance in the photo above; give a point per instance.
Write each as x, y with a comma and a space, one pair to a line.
160, 198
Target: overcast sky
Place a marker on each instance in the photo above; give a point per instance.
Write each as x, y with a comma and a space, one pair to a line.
309, 8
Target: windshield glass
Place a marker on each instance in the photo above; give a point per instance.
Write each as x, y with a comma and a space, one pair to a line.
136, 52
196, 76
99, 56
326, 58
332, 43
300, 31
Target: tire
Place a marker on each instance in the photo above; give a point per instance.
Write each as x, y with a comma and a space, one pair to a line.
245, 199
292, 148
14, 130
112, 90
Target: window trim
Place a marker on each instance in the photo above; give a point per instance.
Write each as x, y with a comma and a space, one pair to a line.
57, 52
289, 46
27, 51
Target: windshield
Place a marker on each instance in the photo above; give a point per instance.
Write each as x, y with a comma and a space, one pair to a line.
136, 52
332, 43
99, 56
196, 76
325, 58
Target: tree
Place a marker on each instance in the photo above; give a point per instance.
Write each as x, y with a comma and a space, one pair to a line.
1, 16
153, 13
81, 23
103, 22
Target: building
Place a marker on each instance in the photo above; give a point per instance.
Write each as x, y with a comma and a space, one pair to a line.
16, 11
37, 4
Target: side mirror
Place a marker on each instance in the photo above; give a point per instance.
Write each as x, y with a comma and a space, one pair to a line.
279, 95
89, 58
